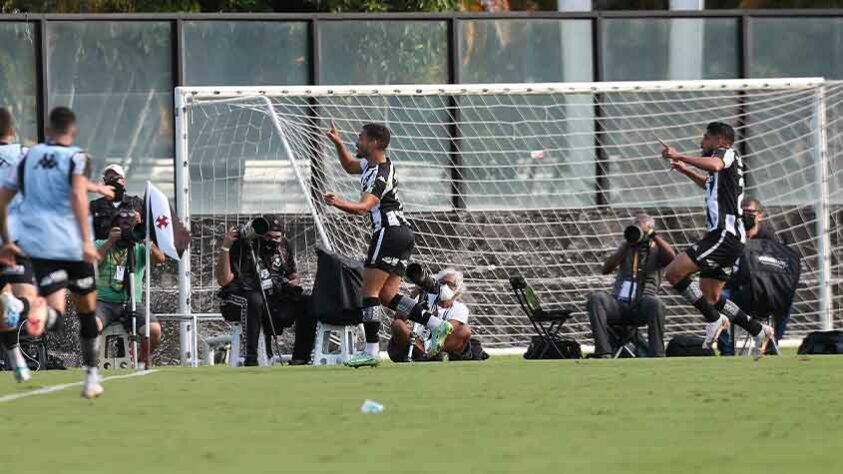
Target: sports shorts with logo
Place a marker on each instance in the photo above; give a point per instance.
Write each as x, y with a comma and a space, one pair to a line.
20, 272
54, 275
716, 254
390, 249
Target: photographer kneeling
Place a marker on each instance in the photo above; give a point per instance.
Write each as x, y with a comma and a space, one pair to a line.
444, 303
120, 255
261, 289
634, 301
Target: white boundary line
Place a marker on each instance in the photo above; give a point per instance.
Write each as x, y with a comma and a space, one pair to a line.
56, 388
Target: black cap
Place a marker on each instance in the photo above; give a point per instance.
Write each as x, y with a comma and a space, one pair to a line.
275, 222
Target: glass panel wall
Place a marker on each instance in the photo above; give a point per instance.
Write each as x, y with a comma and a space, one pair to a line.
117, 77
383, 52
18, 82
246, 53
797, 47
656, 49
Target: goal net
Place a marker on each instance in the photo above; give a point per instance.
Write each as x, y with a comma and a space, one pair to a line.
537, 180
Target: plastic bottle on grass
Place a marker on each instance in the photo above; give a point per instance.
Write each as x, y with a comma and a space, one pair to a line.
371, 406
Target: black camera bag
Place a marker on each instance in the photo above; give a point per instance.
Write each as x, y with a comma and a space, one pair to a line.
570, 349
822, 342
686, 345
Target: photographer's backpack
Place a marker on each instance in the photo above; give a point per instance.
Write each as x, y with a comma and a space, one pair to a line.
686, 345
771, 270
568, 348
822, 342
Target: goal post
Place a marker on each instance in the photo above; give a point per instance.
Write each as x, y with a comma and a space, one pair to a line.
537, 180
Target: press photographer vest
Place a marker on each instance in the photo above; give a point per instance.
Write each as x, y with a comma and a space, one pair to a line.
639, 273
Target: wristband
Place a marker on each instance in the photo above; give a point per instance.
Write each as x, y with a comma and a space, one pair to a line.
224, 248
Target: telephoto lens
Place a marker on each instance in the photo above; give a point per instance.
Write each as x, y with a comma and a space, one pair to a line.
634, 234
417, 276
253, 229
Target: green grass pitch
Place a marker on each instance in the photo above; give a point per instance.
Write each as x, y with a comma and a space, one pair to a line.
506, 415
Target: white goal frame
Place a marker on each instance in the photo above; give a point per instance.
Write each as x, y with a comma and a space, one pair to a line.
184, 96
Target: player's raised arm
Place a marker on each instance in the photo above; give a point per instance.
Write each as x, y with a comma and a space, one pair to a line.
79, 206
706, 163
683, 168
350, 164
101, 189
366, 203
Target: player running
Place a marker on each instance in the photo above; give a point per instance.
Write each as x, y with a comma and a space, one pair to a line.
54, 230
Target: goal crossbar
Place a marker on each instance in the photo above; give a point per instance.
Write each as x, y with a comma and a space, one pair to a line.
728, 85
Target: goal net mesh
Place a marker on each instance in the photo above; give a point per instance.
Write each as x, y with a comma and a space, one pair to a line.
501, 182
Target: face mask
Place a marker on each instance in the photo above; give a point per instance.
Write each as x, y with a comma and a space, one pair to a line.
749, 220
269, 246
446, 293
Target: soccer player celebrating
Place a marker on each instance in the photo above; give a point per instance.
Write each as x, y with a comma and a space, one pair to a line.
54, 230
392, 240
716, 254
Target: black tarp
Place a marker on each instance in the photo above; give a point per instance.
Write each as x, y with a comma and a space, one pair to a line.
336, 291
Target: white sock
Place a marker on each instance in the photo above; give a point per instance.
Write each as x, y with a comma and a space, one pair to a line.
92, 371
16, 356
373, 348
433, 322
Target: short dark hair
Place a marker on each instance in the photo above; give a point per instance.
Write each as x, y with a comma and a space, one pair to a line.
7, 122
379, 133
755, 202
723, 130
62, 119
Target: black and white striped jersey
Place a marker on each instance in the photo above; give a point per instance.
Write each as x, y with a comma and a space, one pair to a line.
724, 193
381, 180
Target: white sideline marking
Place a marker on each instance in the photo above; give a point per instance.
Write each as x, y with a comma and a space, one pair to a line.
57, 388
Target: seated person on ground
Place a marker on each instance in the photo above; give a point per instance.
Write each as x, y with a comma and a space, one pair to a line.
446, 305
740, 289
634, 301
245, 282
118, 254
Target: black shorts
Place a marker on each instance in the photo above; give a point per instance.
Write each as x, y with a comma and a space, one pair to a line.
390, 249
716, 254
20, 272
54, 275
112, 313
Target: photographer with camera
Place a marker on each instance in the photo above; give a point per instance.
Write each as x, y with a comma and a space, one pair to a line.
123, 254
634, 301
442, 298
261, 288
105, 208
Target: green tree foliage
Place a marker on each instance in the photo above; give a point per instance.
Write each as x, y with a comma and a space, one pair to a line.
234, 6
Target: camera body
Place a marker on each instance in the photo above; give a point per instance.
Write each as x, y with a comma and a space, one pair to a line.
134, 234
119, 189
282, 287
130, 232
253, 229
